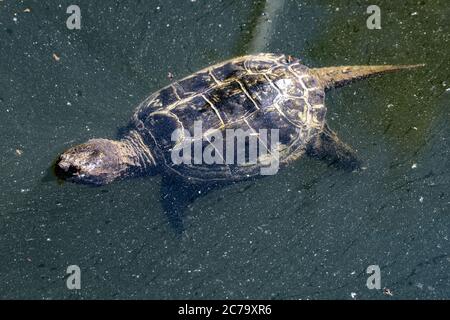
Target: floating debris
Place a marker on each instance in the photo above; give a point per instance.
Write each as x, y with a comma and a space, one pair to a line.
56, 57
19, 152
414, 166
27, 10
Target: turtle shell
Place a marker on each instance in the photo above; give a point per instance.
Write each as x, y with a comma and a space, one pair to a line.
254, 92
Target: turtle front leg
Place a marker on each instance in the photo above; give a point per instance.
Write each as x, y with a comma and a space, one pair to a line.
328, 147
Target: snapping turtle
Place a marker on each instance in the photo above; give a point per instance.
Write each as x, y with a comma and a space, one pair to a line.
252, 92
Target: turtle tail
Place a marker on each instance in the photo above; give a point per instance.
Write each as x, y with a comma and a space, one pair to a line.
333, 77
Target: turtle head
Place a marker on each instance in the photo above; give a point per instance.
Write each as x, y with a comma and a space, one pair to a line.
96, 162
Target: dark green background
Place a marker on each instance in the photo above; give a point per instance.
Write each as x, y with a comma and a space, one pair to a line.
308, 232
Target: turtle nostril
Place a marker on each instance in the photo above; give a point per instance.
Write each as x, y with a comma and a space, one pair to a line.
65, 170
72, 170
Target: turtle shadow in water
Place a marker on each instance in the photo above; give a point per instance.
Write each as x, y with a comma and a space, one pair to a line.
177, 195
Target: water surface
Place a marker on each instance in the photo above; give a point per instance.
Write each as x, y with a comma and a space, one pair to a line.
308, 232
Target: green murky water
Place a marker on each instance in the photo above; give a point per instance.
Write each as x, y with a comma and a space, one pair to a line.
308, 232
